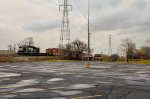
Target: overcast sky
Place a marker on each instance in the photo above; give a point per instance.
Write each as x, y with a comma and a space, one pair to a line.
41, 19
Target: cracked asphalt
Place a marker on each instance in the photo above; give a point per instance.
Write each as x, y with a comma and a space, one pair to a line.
62, 80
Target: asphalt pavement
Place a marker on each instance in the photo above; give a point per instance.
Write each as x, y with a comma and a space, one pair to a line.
71, 80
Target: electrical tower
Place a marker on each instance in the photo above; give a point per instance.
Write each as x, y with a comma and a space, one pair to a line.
110, 46
65, 29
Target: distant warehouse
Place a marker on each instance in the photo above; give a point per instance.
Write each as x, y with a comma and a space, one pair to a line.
54, 51
7, 52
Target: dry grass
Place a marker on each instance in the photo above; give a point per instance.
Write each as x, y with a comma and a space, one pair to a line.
55, 60
8, 59
130, 61
22, 59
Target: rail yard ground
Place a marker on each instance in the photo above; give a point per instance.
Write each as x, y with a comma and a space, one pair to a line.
71, 80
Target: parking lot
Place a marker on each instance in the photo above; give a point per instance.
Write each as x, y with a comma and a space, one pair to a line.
62, 80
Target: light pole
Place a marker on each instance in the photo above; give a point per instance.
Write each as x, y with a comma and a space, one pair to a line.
88, 63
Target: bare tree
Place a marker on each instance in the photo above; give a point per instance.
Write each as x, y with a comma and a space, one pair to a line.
30, 41
146, 52
27, 42
146, 49
128, 48
148, 42
114, 57
75, 49
10, 47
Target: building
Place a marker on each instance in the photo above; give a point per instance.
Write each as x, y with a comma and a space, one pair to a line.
98, 57
7, 52
28, 50
101, 56
85, 56
54, 51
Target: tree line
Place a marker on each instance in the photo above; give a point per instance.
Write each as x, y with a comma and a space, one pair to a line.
127, 48
130, 51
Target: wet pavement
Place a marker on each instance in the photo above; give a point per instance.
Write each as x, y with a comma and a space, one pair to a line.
48, 80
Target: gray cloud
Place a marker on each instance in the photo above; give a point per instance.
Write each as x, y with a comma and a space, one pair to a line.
121, 18
42, 26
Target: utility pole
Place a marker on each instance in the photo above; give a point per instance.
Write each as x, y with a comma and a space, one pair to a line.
88, 64
110, 46
65, 29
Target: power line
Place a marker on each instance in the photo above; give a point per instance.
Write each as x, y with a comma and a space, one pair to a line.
74, 19
79, 18
80, 9
80, 12
77, 22
59, 1
37, 3
53, 2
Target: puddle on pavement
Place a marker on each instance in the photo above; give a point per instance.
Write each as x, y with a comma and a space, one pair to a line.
15, 66
144, 76
79, 76
4, 79
26, 72
30, 90
7, 96
2, 69
56, 88
21, 83
132, 82
101, 67
6, 90
59, 98
46, 70
61, 73
81, 86
55, 79
3, 74
67, 93
142, 72
25, 94
103, 82
84, 73
138, 77
106, 74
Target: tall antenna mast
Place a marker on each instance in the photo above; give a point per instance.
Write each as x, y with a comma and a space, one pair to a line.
65, 29
110, 46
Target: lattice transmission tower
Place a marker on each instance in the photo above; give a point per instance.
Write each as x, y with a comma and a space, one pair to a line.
110, 46
65, 29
